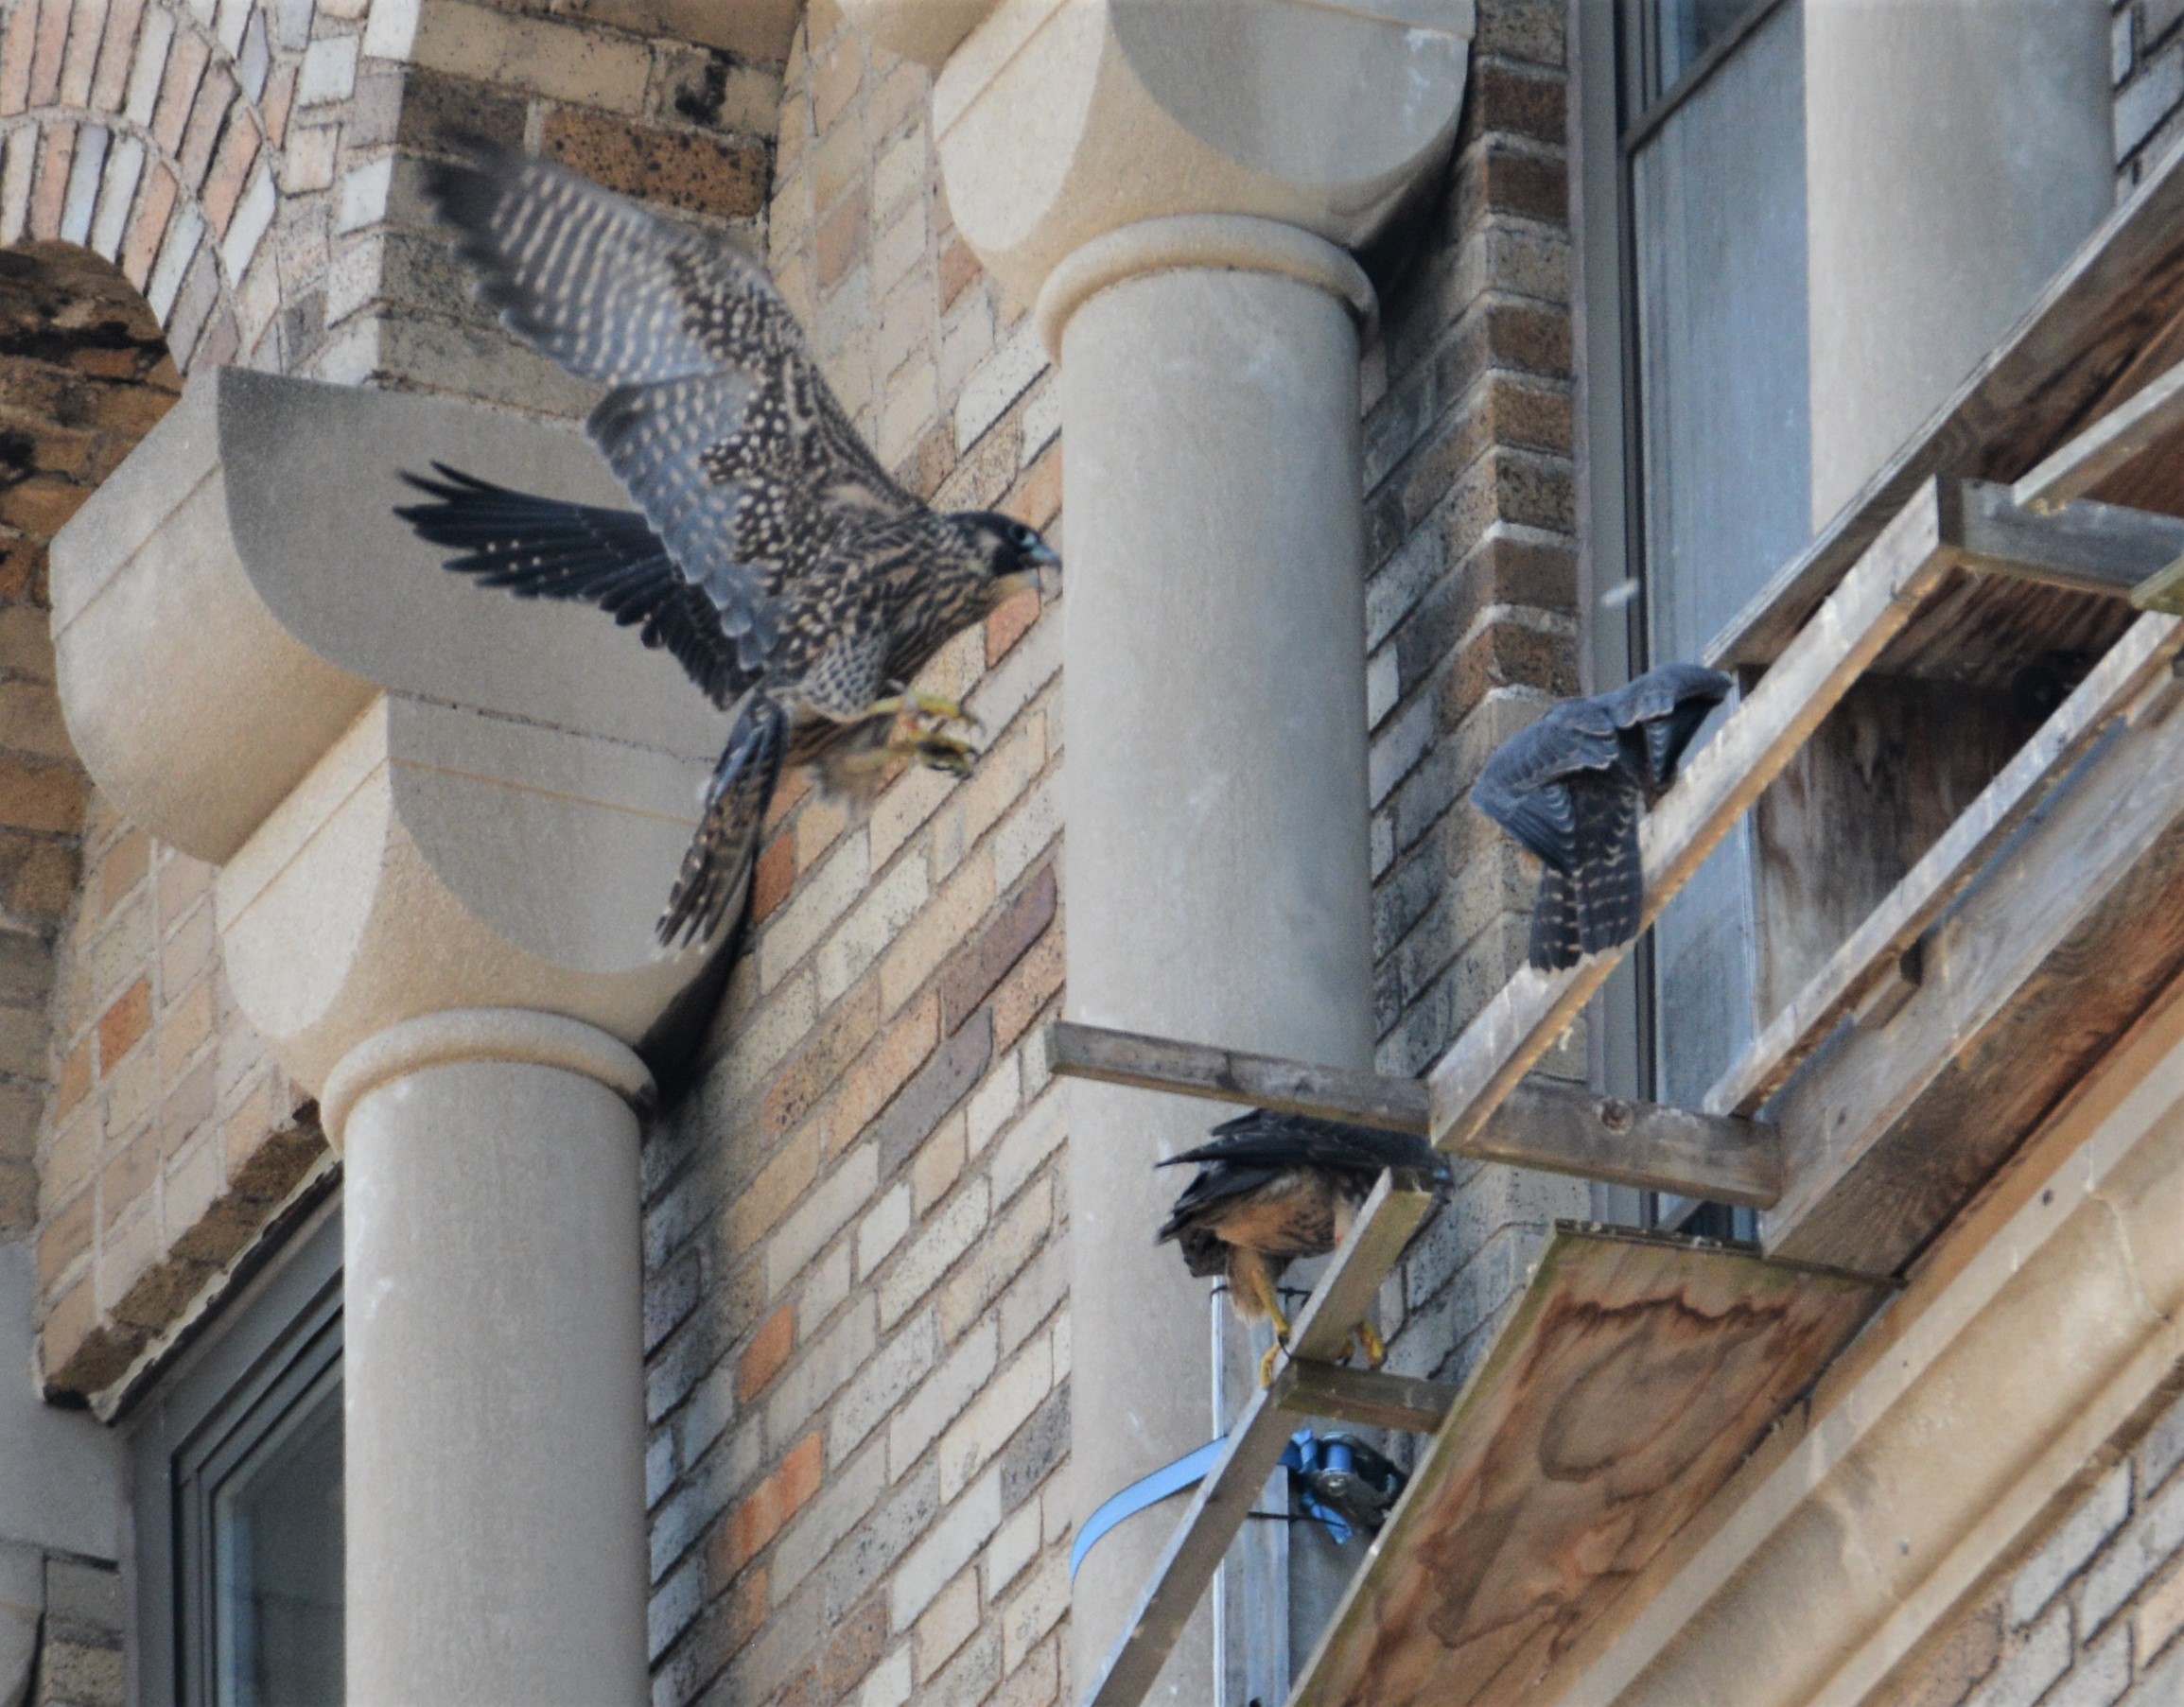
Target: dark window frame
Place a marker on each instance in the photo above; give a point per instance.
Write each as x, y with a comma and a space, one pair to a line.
1623, 102
277, 1350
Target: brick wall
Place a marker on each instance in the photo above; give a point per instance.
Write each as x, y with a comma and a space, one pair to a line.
2092, 1617
60, 1630
859, 1374
2147, 61
1472, 625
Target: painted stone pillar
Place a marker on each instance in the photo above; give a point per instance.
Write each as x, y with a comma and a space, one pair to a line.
1177, 187
493, 1362
444, 821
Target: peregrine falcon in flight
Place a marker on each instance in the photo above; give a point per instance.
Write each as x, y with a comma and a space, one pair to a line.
1572, 787
787, 572
1271, 1187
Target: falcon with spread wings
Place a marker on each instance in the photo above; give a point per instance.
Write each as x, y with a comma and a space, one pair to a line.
785, 569
1273, 1188
1572, 787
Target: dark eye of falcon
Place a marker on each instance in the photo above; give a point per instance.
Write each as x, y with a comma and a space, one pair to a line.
1022, 537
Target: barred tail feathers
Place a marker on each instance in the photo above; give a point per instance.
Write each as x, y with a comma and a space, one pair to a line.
1600, 901
715, 876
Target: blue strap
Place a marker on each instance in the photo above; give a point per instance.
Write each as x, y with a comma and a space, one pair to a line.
1303, 1452
1186, 1472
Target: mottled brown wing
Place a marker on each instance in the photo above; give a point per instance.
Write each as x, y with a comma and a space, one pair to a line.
718, 424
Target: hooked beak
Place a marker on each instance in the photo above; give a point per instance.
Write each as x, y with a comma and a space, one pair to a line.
1046, 561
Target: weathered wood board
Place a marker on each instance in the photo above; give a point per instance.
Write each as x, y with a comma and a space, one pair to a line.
1635, 1375
1805, 1020
2026, 981
1556, 1127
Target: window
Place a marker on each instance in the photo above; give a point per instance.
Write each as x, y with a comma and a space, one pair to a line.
236, 1470
1695, 215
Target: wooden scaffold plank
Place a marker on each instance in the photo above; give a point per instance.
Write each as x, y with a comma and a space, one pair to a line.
1634, 1376
1557, 1128
1872, 952
2113, 441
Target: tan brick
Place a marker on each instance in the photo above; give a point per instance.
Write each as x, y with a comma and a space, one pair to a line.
230, 169
189, 953
767, 1353
51, 48
550, 59
818, 1066
779, 1184
75, 1080
126, 1180
185, 1027
125, 1021
131, 1092
188, 1105
110, 79
1038, 1607
2160, 1615
148, 225
1036, 982
939, 1242
939, 1163
929, 936
1001, 1256
121, 868
946, 1625
72, 1156
841, 238
872, 1083
773, 878
678, 168
769, 1506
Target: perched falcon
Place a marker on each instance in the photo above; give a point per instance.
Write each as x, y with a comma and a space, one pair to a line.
785, 569
1271, 1187
1572, 787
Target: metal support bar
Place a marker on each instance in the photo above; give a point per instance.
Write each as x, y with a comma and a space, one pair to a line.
2107, 548
2110, 444
1556, 1128
1368, 1397
1217, 1511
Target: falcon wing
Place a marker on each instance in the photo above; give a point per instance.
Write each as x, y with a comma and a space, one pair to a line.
1270, 1141
1663, 709
1525, 785
540, 547
718, 424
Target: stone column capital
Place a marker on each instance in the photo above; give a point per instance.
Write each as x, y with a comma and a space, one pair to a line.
510, 1034
1209, 242
424, 797
1058, 122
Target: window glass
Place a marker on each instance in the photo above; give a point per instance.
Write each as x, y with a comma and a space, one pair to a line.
277, 1561
235, 1462
1717, 208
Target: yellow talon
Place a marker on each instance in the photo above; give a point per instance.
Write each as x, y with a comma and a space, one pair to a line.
1375, 1348
928, 704
1266, 1364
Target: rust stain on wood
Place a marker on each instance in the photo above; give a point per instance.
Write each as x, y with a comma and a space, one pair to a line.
1635, 1377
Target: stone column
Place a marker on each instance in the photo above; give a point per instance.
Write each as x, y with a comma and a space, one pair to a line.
445, 820
1177, 187
1215, 789
492, 1356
